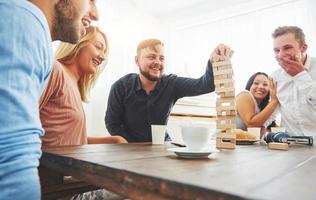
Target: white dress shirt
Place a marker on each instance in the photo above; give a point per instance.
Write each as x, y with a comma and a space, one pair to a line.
297, 97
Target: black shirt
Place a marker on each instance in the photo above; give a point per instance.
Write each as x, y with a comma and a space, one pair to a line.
131, 111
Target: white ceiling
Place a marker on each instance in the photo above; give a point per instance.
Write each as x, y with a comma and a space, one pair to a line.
183, 13
161, 7
164, 8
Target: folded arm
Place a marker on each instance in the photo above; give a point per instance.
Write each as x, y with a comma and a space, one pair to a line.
246, 109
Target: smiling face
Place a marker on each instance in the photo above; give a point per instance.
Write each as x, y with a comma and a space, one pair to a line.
92, 55
72, 17
260, 87
151, 62
288, 47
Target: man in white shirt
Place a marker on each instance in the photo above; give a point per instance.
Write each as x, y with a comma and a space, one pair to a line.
296, 81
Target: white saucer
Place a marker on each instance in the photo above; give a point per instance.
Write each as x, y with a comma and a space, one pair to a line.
184, 152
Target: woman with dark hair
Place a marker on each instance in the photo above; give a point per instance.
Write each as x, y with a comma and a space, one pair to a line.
255, 105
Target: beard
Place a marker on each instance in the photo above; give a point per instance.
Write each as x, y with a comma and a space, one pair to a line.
150, 77
65, 28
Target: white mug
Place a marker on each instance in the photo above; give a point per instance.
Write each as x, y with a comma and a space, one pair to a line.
195, 138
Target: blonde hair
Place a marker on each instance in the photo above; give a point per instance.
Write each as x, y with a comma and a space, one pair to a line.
149, 43
66, 53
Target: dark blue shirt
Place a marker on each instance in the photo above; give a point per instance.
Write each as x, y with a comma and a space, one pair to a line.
131, 111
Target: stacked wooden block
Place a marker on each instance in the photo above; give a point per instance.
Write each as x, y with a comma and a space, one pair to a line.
225, 104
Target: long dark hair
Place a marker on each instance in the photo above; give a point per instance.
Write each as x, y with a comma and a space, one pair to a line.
265, 101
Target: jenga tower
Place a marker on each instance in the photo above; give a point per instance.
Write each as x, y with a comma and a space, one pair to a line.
225, 103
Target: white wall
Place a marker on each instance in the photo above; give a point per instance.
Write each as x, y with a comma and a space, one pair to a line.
310, 6
125, 27
246, 28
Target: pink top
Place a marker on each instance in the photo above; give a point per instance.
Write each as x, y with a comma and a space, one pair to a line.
61, 110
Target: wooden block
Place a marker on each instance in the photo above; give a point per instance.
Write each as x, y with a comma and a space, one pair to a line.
226, 106
225, 112
230, 99
221, 90
224, 87
278, 146
230, 132
228, 80
227, 118
222, 127
223, 67
225, 126
224, 83
226, 103
220, 109
224, 100
222, 72
221, 63
226, 140
223, 76
226, 94
225, 122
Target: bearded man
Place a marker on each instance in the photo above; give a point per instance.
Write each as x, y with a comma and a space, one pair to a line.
137, 101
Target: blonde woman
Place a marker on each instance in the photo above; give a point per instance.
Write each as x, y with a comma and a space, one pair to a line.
74, 73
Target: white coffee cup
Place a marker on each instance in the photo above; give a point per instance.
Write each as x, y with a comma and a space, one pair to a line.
277, 129
255, 131
158, 134
195, 138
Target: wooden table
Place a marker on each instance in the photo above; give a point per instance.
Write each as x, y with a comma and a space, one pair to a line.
145, 171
